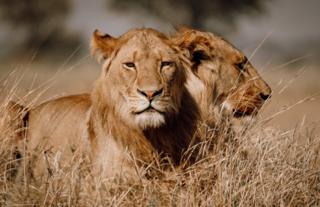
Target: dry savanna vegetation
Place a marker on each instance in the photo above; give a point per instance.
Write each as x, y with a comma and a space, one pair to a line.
263, 165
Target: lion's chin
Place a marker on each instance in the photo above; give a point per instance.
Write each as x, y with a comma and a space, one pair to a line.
238, 112
148, 119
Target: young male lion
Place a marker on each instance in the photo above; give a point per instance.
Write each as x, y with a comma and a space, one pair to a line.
139, 107
223, 81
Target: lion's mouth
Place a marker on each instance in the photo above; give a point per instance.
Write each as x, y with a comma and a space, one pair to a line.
149, 109
238, 109
245, 110
239, 113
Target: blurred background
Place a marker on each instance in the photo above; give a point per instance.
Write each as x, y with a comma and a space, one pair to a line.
45, 43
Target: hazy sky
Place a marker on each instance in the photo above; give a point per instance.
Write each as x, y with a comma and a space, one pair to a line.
287, 20
292, 26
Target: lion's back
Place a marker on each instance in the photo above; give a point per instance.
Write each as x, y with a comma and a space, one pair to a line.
58, 123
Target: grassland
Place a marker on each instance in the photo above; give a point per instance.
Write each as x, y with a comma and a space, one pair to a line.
275, 163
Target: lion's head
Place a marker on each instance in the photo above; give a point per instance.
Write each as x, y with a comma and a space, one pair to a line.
142, 76
223, 80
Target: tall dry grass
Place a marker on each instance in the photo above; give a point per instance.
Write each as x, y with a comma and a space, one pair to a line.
262, 167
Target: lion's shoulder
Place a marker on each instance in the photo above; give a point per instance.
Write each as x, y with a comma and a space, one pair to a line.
59, 118
63, 104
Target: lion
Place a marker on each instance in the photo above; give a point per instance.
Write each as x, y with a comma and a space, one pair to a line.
139, 109
222, 80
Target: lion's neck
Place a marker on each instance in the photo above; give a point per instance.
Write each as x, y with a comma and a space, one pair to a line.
111, 127
175, 137
171, 139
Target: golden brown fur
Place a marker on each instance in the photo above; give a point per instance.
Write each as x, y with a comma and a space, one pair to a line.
139, 108
223, 82
217, 84
13, 121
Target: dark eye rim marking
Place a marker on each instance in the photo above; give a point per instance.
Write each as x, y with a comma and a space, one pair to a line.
166, 64
241, 65
129, 65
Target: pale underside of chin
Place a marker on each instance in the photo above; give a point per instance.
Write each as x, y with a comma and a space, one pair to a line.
239, 120
149, 119
247, 114
149, 115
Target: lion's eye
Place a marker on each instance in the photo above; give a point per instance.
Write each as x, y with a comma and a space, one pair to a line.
129, 65
166, 63
242, 64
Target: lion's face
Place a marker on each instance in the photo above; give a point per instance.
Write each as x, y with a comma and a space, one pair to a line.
223, 76
142, 76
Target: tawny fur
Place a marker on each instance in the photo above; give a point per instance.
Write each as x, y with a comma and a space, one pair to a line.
13, 119
105, 124
219, 86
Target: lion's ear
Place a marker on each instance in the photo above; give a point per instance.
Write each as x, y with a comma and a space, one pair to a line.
199, 54
102, 45
192, 45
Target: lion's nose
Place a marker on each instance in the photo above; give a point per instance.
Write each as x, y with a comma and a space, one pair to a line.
265, 96
150, 94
